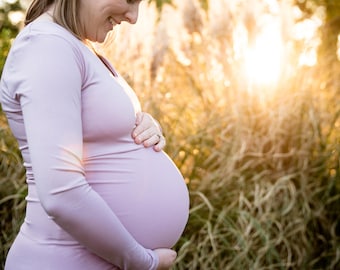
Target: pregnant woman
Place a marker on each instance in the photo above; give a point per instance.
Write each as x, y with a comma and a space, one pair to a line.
98, 198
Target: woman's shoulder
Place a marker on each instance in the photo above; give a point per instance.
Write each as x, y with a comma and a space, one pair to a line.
39, 44
47, 29
42, 37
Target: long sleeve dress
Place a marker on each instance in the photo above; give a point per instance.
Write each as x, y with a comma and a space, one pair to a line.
96, 200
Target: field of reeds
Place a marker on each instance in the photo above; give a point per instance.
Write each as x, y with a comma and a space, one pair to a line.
261, 160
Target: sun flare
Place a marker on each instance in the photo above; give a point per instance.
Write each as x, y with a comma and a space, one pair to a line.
264, 58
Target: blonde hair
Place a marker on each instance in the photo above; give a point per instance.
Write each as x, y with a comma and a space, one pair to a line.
65, 14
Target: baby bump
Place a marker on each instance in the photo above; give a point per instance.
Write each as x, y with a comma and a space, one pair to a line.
146, 191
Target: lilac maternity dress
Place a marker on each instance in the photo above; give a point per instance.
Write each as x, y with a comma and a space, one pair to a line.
96, 200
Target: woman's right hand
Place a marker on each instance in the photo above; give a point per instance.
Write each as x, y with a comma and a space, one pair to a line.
166, 257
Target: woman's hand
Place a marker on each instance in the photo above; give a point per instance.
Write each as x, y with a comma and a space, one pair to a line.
148, 132
166, 257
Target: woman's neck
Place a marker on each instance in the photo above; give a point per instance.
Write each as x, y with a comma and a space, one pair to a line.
48, 14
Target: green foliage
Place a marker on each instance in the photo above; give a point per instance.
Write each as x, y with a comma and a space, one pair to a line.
7, 30
13, 189
160, 3
204, 4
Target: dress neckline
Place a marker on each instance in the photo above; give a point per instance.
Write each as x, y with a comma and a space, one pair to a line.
107, 64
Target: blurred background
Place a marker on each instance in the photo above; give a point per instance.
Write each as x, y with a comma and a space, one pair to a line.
248, 95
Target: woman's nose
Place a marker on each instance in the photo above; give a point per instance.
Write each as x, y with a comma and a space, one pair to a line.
132, 15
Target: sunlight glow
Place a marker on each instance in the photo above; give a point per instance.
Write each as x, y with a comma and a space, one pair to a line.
308, 58
16, 17
306, 31
264, 58
7, 1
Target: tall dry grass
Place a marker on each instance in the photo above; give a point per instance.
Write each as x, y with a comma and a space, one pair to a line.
12, 188
261, 161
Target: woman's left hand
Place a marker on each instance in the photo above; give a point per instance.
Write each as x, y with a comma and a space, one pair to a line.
148, 132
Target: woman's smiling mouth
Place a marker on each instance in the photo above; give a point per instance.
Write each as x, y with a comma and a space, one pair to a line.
112, 21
